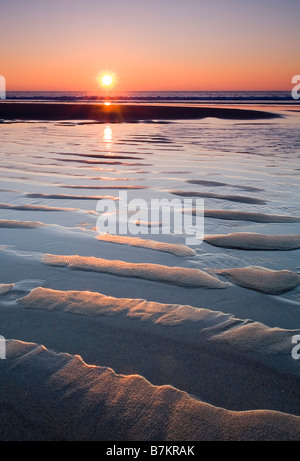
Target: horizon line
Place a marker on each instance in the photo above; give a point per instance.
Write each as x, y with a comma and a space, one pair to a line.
153, 91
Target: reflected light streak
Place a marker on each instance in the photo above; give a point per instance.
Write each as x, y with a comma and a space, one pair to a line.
107, 137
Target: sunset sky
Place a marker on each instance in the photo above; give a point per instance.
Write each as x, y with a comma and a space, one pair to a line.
150, 44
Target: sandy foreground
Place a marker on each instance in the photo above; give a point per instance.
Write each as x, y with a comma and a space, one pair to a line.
145, 337
70, 400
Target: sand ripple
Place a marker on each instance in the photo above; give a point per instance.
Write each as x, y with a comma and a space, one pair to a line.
252, 241
249, 216
231, 198
81, 402
7, 206
202, 182
155, 272
70, 197
194, 326
175, 249
20, 224
77, 186
261, 279
5, 288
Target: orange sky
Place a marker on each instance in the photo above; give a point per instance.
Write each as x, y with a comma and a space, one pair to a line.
157, 45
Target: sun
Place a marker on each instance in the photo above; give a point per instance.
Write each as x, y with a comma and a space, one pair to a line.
107, 80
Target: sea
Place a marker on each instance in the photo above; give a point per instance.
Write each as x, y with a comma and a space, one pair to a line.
207, 97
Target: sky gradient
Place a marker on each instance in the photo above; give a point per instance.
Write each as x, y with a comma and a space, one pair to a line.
150, 45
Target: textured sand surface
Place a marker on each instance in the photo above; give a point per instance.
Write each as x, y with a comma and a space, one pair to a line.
7, 206
5, 288
253, 241
156, 272
177, 250
59, 397
261, 279
229, 197
271, 346
125, 337
70, 197
249, 216
20, 224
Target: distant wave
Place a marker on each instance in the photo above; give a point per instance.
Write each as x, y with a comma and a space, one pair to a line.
164, 96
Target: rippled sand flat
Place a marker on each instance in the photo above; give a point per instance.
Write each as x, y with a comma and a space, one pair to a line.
193, 339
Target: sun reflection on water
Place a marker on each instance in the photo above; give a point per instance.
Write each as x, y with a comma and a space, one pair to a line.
107, 137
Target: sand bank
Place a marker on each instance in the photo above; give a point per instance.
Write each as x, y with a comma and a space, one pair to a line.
122, 113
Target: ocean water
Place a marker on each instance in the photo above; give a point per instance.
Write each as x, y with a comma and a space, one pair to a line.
208, 97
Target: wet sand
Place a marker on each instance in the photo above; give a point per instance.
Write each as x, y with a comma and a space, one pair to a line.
147, 336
